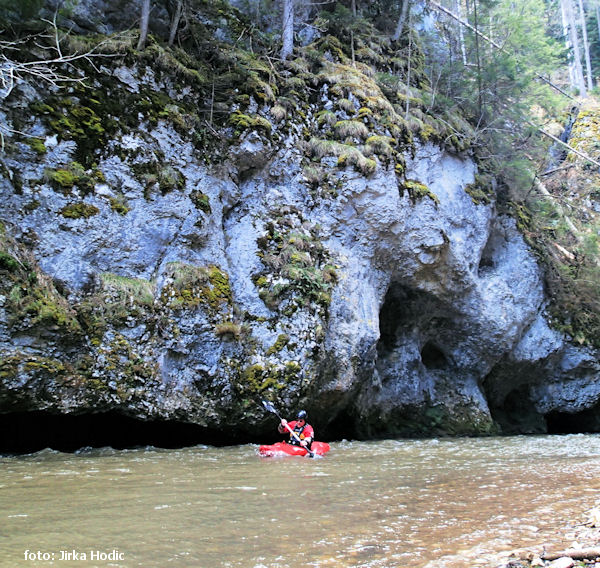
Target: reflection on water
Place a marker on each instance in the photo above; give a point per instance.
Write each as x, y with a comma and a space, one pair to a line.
429, 503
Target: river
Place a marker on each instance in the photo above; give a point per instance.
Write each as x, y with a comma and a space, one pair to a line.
446, 503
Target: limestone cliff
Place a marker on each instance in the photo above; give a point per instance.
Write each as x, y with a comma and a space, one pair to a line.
162, 266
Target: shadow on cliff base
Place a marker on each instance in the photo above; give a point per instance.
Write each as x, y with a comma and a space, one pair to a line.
27, 432
585, 422
517, 415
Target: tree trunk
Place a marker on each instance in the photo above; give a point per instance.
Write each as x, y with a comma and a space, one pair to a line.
583, 554
478, 62
565, 26
401, 20
598, 19
353, 9
175, 22
461, 35
586, 47
144, 21
580, 82
287, 29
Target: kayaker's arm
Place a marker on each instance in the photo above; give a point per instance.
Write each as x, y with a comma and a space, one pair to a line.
282, 426
308, 435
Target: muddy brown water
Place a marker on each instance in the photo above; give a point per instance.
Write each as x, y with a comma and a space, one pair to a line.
447, 503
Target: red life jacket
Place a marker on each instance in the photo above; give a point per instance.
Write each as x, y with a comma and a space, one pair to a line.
302, 432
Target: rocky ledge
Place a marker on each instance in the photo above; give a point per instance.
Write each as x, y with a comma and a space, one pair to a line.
144, 273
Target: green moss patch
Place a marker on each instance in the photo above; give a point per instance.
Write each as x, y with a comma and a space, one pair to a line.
74, 175
418, 190
242, 122
32, 301
118, 300
192, 286
201, 201
481, 190
37, 145
119, 206
263, 378
79, 211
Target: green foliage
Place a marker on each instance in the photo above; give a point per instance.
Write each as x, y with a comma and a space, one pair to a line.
381, 145
297, 273
62, 180
351, 129
131, 290
481, 190
243, 122
192, 286
282, 340
32, 301
499, 91
346, 154
8, 262
117, 300
37, 145
71, 120
563, 229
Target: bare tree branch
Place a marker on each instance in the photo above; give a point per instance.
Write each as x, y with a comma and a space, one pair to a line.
11, 71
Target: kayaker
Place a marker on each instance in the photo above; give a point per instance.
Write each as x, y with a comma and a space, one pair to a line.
303, 430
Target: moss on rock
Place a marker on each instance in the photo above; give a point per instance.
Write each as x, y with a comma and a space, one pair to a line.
79, 211
298, 272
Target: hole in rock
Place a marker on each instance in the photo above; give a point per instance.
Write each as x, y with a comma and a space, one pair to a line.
406, 309
490, 252
587, 421
517, 414
342, 427
26, 432
413, 313
433, 357
393, 313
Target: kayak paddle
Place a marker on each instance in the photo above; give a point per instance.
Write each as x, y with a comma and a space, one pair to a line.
270, 408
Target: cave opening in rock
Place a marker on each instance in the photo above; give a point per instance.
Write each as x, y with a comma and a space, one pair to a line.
343, 426
26, 432
516, 414
587, 421
414, 313
433, 357
392, 314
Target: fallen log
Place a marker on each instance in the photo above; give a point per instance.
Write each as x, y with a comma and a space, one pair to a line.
575, 554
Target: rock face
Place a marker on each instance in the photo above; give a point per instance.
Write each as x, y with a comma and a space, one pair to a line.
137, 278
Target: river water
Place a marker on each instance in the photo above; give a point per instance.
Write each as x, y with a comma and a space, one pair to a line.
397, 503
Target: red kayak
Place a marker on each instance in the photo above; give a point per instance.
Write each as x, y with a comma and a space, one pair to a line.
284, 449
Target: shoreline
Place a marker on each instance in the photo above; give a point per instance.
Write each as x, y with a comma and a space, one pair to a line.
577, 544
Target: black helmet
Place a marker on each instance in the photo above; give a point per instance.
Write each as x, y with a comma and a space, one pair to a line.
301, 415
